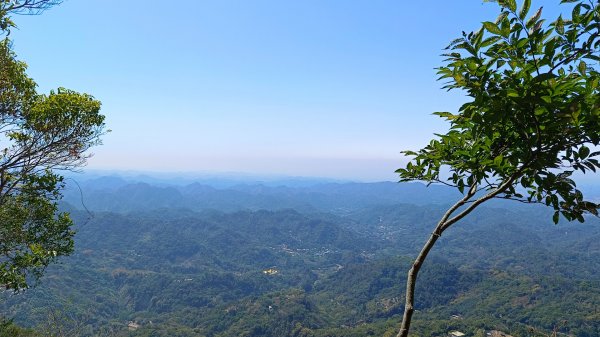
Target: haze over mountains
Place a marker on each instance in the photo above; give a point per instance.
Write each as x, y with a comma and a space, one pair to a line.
118, 194
301, 257
229, 193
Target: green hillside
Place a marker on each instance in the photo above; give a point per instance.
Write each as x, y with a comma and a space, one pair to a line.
175, 272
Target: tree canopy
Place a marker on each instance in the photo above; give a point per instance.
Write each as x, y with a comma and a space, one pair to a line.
531, 121
39, 134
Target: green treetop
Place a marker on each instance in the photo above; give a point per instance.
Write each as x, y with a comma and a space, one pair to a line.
39, 134
532, 118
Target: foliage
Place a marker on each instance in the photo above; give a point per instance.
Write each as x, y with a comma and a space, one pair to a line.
21, 7
40, 134
531, 122
8, 329
177, 272
534, 113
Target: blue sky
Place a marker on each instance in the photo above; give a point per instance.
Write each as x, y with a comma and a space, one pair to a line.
331, 88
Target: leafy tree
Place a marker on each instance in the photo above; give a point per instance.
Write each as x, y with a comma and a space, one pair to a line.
533, 118
39, 135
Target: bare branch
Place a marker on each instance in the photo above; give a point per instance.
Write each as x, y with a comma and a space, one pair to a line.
30, 7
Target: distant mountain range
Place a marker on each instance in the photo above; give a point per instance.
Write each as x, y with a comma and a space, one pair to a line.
120, 195
321, 259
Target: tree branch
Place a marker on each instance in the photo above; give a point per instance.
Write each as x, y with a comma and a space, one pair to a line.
416, 266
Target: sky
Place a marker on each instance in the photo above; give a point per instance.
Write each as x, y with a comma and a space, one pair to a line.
326, 88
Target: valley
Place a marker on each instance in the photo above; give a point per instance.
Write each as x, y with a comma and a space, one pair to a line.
323, 260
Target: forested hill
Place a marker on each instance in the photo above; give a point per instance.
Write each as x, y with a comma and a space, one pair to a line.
115, 194
162, 264
119, 195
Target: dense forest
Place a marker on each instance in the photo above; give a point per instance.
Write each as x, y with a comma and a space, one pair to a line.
327, 259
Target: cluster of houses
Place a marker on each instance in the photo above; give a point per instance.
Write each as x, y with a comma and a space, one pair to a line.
493, 333
132, 326
270, 271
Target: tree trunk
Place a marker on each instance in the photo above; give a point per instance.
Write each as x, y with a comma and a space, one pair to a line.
445, 222
411, 281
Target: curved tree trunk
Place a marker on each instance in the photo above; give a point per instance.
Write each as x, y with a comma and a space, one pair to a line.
445, 222
411, 281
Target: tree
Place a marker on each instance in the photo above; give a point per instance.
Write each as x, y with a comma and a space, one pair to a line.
21, 7
39, 136
531, 121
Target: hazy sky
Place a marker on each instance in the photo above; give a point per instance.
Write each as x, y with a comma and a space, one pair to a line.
333, 88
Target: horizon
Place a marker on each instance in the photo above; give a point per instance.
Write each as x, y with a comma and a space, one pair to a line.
247, 177
192, 176
334, 89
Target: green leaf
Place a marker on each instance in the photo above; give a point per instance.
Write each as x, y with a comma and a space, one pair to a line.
582, 67
505, 27
576, 13
524, 9
489, 41
584, 152
461, 186
560, 25
501, 17
522, 43
539, 111
477, 38
492, 28
534, 19
445, 114
511, 4
512, 93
